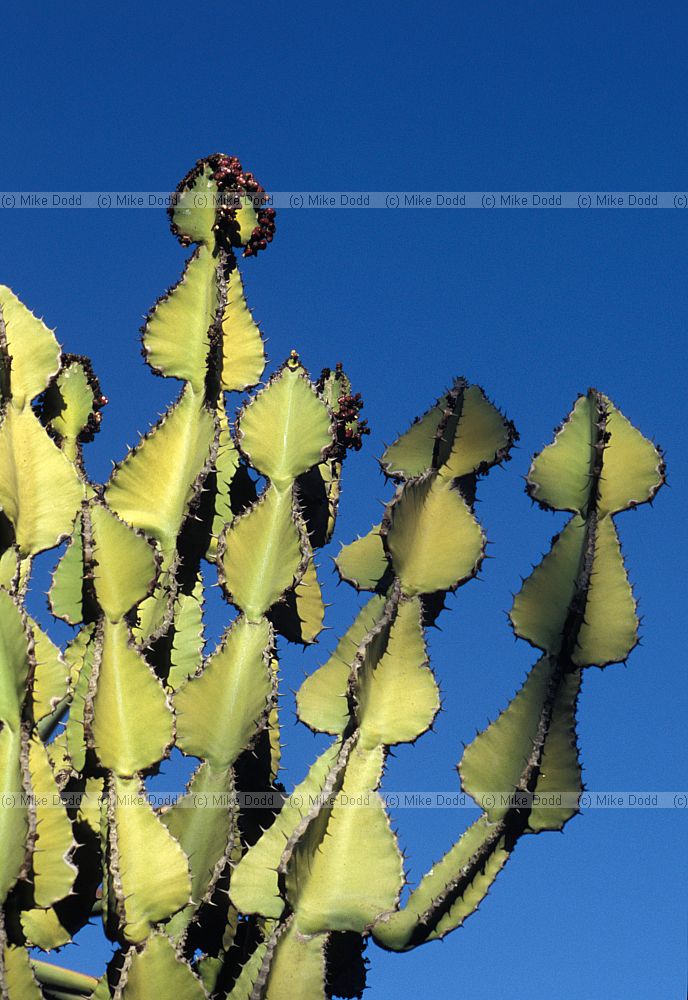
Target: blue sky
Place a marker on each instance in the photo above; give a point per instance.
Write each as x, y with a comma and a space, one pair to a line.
534, 306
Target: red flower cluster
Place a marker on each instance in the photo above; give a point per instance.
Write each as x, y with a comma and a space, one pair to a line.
234, 182
349, 428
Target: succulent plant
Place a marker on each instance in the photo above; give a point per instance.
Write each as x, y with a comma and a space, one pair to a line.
206, 898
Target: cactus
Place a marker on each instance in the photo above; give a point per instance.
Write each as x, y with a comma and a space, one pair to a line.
231, 902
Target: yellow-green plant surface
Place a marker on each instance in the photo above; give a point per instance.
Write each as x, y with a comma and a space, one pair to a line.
204, 898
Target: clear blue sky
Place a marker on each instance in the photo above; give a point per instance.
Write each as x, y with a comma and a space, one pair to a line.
533, 306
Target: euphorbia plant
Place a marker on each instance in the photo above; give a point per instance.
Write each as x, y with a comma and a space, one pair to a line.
207, 898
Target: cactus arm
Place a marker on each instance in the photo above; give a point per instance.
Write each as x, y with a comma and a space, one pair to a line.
255, 885
220, 710
31, 350
181, 339
14, 823
157, 971
578, 608
125, 564
121, 713
260, 555
266, 552
65, 597
51, 675
443, 435
243, 354
412, 454
222, 481
40, 491
126, 715
177, 454
37, 836
397, 695
298, 967
81, 655
390, 669
143, 894
300, 615
17, 826
70, 406
432, 537
131, 723
363, 563
609, 630
178, 334
449, 892
205, 824
69, 983
287, 428
187, 635
9, 556
155, 484
53, 870
46, 874
249, 979
330, 882
128, 718
482, 438
16, 974
321, 700
539, 721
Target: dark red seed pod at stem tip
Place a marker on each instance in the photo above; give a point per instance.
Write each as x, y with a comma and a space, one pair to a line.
230, 177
